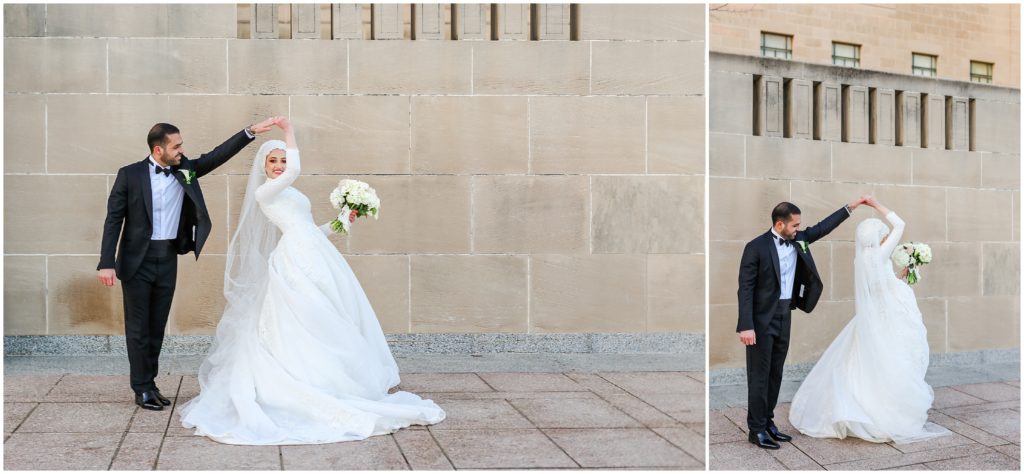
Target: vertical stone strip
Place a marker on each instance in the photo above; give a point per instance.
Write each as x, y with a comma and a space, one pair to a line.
957, 123
908, 119
770, 117
264, 21
470, 21
387, 21
511, 21
883, 117
799, 109
933, 131
551, 21
305, 21
828, 112
855, 114
346, 21
428, 21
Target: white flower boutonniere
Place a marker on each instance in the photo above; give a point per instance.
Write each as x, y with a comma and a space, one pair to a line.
189, 175
803, 246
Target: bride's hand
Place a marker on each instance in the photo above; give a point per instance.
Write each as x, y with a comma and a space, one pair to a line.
903, 273
352, 216
264, 126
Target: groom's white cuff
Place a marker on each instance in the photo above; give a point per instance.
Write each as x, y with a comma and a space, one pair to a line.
848, 211
248, 133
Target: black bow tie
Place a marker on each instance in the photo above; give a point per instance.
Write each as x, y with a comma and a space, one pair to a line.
167, 171
784, 241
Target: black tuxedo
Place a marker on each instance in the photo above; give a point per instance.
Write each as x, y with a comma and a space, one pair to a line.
148, 268
761, 309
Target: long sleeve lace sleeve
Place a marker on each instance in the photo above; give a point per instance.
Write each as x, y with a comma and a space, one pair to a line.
894, 236
273, 187
326, 229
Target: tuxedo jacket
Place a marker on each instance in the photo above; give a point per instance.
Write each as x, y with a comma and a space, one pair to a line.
130, 206
759, 288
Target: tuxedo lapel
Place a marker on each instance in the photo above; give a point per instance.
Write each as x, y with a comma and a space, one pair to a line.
147, 188
774, 251
189, 190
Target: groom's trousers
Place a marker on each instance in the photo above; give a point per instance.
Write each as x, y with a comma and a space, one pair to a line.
765, 361
147, 302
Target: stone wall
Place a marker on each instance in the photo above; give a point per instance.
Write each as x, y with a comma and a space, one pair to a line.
887, 33
528, 186
820, 136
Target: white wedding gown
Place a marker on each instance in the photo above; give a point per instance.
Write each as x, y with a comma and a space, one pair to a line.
312, 365
869, 383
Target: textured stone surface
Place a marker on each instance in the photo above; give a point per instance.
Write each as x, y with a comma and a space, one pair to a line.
587, 134
77, 302
544, 214
24, 20
492, 449
770, 106
29, 65
647, 214
863, 163
799, 109
640, 22
363, 134
675, 135
828, 111
24, 295
385, 279
774, 157
168, 66
675, 293
25, 124
855, 114
647, 68
480, 293
883, 116
731, 102
566, 292
395, 67
514, 67
289, 67
470, 135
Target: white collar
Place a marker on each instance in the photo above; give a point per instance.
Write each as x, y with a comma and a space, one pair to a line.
776, 240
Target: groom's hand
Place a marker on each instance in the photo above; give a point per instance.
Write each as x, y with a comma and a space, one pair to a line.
264, 126
106, 276
748, 338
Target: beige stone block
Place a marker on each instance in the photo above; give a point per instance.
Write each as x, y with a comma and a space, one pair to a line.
24, 295
727, 155
828, 111
644, 68
839, 285
429, 21
640, 22
956, 270
647, 214
958, 128
206, 121
740, 209
121, 141
202, 20
770, 99
938, 167
587, 134
469, 293
54, 214
988, 322
675, 293
817, 200
417, 67
24, 20
168, 66
110, 20
471, 21
922, 208
198, 295
933, 313
771, 157
724, 347
908, 119
864, 163
531, 214
287, 67
385, 279
855, 114
264, 22
1015, 216
799, 109
346, 21
978, 214
513, 67
587, 293
731, 105
512, 21
934, 126
551, 21
55, 65
305, 21
996, 126
24, 132
675, 135
883, 116
1001, 268
419, 214
470, 135
389, 21
1000, 171
342, 135
724, 270
812, 333
77, 302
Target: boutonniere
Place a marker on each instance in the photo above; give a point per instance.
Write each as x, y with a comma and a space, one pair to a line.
189, 175
803, 246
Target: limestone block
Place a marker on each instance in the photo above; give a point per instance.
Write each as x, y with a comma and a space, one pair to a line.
25, 295
724, 269
1001, 268
996, 126
726, 154
531, 68
908, 119
934, 127
348, 135
675, 135
469, 293
855, 114
947, 168
770, 109
388, 21
264, 21
299, 67
531, 214
771, 157
428, 21
1000, 170
741, 208
551, 21
933, 313
24, 19
724, 348
469, 135
587, 293
417, 67
979, 214
305, 21
840, 285
472, 21
675, 293
986, 322
109, 20
385, 278
650, 22
346, 21
799, 109
168, 66
922, 208
646, 68
819, 199
871, 163
956, 270
24, 133
78, 303
121, 141
647, 214
812, 333
198, 295
200, 20
587, 134
828, 112
512, 21
55, 65
883, 116
958, 123
54, 214
731, 103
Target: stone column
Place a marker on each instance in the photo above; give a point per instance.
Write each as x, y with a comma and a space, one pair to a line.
828, 110
470, 21
428, 21
934, 126
305, 21
908, 119
387, 21
346, 21
855, 114
769, 103
511, 21
551, 21
264, 21
883, 117
957, 123
799, 109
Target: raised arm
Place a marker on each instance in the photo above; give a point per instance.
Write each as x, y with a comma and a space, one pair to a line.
209, 161
828, 224
274, 186
895, 234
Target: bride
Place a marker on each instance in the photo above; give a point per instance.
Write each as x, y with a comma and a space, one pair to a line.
299, 357
870, 383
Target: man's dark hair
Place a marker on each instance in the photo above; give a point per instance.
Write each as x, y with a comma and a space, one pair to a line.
783, 211
158, 134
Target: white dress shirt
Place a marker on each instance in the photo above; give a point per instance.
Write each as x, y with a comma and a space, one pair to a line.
168, 196
787, 266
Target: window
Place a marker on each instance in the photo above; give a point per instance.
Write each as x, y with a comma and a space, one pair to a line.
844, 54
981, 72
776, 46
925, 64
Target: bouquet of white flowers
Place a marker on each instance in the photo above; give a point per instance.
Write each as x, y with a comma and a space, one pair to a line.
353, 196
911, 255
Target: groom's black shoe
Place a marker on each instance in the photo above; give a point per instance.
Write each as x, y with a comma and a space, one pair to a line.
762, 440
148, 401
773, 431
160, 398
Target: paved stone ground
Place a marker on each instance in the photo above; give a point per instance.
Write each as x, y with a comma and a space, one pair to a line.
984, 418
590, 420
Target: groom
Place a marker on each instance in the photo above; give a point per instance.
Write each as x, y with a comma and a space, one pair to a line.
777, 274
160, 205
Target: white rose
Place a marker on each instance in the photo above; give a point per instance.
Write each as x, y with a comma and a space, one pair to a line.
900, 257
